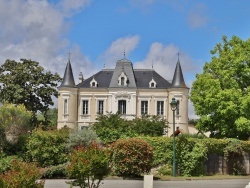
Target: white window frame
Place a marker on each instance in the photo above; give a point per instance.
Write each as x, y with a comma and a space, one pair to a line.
98, 106
65, 112
144, 107
152, 82
82, 110
163, 108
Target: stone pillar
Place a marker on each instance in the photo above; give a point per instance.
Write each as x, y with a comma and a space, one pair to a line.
148, 181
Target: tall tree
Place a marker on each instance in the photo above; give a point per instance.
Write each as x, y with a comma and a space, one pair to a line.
27, 83
220, 94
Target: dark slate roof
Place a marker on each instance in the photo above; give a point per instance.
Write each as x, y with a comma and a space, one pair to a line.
68, 78
103, 79
144, 76
126, 66
142, 79
178, 80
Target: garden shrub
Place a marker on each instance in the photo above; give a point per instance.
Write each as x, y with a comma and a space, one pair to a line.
6, 162
233, 154
48, 148
131, 157
81, 138
191, 155
59, 171
162, 150
88, 165
165, 170
21, 175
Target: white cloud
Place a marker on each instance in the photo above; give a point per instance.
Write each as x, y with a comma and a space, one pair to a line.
75, 5
197, 16
164, 59
117, 48
36, 29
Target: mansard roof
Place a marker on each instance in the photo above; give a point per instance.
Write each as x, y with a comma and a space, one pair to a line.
68, 78
142, 78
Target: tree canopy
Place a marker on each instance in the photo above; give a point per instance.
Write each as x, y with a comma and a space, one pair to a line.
220, 94
27, 83
112, 127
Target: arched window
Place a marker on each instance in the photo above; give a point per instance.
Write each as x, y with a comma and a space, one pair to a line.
122, 81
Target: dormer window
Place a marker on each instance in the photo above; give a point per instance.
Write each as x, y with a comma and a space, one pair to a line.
93, 83
152, 83
123, 79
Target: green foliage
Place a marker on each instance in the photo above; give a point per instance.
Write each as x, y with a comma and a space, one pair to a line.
14, 121
162, 150
191, 155
18, 148
221, 93
165, 170
48, 118
88, 165
131, 157
48, 147
81, 138
21, 175
233, 154
27, 83
112, 127
59, 171
148, 125
5, 162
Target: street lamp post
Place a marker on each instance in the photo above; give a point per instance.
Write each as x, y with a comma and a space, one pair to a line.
173, 105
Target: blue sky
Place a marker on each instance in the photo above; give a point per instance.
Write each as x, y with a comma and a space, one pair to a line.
96, 32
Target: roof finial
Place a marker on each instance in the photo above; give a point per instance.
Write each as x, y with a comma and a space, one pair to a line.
69, 56
152, 69
124, 53
104, 65
178, 55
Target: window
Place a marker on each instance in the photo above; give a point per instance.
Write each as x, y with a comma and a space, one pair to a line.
65, 106
85, 107
152, 84
122, 106
93, 84
178, 108
144, 107
160, 107
122, 81
100, 107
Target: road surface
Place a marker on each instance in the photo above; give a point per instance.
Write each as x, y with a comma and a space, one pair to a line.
227, 183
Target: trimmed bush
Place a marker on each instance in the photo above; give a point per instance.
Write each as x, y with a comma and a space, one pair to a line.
131, 157
21, 175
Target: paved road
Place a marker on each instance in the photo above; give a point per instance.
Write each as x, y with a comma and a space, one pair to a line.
228, 183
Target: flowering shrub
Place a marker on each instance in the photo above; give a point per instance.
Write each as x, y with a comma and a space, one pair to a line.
21, 175
131, 157
88, 165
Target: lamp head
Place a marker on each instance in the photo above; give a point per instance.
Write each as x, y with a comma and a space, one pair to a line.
173, 104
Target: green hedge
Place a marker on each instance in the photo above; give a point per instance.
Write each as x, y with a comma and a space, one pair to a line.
191, 153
